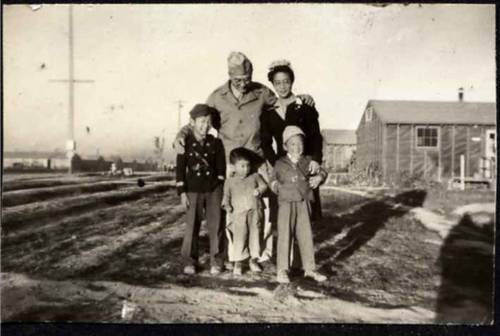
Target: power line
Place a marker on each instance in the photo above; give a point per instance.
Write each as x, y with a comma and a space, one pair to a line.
71, 143
180, 105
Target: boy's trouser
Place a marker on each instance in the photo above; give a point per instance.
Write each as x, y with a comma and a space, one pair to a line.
294, 223
267, 234
208, 203
246, 227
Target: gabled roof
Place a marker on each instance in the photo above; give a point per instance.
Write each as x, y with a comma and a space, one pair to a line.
339, 137
434, 112
34, 155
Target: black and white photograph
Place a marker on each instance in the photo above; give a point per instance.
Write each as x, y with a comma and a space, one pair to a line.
249, 163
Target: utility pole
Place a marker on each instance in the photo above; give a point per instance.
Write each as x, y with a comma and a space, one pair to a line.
71, 143
180, 105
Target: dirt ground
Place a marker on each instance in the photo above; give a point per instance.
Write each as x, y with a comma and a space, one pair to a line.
100, 249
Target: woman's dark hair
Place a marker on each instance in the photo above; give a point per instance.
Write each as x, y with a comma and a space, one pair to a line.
280, 68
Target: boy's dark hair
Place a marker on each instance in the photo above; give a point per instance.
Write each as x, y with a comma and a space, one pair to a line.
240, 153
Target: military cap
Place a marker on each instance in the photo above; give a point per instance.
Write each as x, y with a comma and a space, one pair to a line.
238, 64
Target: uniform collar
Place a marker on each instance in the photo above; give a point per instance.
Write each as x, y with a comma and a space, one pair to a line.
245, 98
226, 88
205, 140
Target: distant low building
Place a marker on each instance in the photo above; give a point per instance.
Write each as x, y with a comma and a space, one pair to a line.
80, 162
338, 149
35, 160
427, 138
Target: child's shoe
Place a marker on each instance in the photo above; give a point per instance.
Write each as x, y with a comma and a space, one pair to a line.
254, 266
229, 265
282, 277
215, 270
189, 269
237, 268
315, 275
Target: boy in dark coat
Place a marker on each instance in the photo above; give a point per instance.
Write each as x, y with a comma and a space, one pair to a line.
201, 170
293, 184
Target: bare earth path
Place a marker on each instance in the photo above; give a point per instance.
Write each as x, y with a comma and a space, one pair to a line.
116, 258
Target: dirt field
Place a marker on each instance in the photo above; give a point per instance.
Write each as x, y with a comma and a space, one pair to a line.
100, 249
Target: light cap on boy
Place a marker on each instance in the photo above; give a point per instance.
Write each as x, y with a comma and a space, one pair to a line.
291, 131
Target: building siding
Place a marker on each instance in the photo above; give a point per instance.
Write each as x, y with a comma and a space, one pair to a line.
405, 151
446, 150
369, 142
391, 145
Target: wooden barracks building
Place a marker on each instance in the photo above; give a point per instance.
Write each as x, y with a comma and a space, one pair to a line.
427, 138
338, 148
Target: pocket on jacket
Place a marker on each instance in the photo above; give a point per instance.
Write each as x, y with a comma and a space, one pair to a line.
286, 191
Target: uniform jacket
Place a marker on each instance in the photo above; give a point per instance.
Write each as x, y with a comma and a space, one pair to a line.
202, 167
238, 122
301, 115
291, 181
238, 193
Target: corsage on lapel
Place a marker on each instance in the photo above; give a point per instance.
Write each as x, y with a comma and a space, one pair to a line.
298, 103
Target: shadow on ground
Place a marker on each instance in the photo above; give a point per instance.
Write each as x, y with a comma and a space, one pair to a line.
466, 259
357, 228
155, 263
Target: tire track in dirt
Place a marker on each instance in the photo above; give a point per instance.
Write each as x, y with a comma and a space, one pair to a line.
11, 183
146, 259
17, 217
79, 223
31, 185
81, 235
21, 197
113, 248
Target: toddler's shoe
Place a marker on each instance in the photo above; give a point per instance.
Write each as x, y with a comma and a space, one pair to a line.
282, 277
254, 266
190, 269
229, 265
237, 268
215, 270
315, 275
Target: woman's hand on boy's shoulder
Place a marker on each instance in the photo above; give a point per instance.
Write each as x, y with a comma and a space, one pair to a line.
307, 99
315, 181
314, 167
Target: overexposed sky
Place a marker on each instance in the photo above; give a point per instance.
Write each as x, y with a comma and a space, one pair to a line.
143, 58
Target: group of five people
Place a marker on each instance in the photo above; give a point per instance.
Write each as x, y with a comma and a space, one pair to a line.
240, 184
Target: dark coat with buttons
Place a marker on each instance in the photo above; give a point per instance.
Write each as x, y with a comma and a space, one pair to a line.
303, 116
202, 167
291, 181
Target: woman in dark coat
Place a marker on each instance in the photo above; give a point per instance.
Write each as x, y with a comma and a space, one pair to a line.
287, 111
